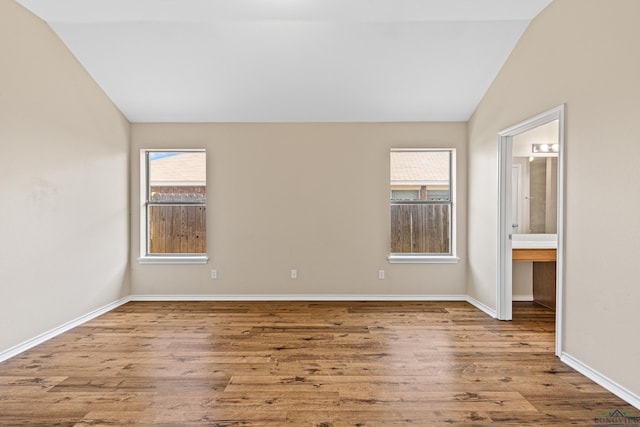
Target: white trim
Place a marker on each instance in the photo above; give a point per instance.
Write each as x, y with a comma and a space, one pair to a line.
560, 231
196, 259
481, 306
179, 183
535, 121
145, 258
399, 150
453, 184
453, 195
298, 297
30, 343
504, 288
143, 203
318, 297
598, 378
422, 259
522, 298
398, 183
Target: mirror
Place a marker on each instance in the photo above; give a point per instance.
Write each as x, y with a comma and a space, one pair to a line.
535, 180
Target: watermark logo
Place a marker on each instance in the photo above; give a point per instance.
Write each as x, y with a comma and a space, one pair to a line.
616, 418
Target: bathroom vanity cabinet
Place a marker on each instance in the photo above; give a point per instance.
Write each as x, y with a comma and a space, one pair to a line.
544, 273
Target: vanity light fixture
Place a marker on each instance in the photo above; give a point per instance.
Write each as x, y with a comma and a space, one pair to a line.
544, 148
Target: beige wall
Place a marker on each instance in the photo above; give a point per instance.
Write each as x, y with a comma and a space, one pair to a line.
522, 279
583, 53
63, 184
314, 197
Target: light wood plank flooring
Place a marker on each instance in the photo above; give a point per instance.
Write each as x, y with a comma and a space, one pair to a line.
301, 364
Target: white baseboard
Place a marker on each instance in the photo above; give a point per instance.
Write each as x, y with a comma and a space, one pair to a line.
598, 378
477, 304
298, 297
30, 343
522, 298
317, 297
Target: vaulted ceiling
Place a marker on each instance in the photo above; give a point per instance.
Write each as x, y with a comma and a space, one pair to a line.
291, 60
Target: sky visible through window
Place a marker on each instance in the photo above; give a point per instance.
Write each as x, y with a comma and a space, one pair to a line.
161, 155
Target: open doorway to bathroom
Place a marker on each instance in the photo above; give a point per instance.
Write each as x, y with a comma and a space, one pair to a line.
531, 215
534, 224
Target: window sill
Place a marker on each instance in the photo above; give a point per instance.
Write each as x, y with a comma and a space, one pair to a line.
423, 259
186, 259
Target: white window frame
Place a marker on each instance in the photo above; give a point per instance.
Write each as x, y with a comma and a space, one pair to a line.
145, 257
425, 258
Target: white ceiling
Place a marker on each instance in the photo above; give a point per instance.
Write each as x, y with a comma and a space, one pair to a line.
291, 60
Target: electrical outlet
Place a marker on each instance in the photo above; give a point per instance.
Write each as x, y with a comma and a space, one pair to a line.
214, 274
294, 274
380, 274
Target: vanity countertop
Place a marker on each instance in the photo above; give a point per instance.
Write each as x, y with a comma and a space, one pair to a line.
534, 241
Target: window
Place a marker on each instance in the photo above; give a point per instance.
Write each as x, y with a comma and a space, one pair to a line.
173, 206
422, 205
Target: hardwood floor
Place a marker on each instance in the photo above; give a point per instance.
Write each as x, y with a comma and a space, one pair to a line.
299, 364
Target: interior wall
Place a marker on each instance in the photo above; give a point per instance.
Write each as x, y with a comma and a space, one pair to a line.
63, 184
583, 53
314, 197
522, 280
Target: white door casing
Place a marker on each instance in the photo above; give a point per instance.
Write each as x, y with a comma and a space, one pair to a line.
505, 217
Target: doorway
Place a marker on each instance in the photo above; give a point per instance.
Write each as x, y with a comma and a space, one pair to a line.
517, 216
